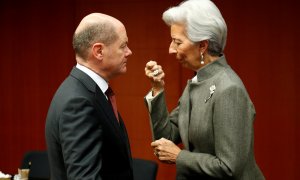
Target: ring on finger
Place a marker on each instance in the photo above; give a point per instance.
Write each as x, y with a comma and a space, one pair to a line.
155, 73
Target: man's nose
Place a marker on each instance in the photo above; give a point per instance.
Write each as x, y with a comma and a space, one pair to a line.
129, 52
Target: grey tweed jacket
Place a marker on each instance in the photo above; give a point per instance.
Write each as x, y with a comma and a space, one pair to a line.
214, 121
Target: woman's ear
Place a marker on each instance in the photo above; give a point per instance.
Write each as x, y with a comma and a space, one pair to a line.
203, 46
97, 50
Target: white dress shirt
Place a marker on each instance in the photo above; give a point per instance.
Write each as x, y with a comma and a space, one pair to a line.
103, 85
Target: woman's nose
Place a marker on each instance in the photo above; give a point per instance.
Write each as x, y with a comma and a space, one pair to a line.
172, 50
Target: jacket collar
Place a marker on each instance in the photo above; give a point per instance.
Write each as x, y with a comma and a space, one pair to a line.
211, 69
84, 78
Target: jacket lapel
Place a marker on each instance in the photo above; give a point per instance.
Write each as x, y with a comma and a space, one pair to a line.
101, 103
118, 127
184, 116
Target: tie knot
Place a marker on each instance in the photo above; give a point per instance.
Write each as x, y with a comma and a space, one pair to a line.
109, 92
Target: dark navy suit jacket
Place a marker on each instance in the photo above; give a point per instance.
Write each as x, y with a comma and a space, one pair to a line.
84, 138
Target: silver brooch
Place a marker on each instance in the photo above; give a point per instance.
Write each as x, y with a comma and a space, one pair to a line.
211, 92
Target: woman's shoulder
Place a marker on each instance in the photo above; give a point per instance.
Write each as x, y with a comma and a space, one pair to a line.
228, 79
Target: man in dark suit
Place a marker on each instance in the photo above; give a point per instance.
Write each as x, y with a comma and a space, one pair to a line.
86, 137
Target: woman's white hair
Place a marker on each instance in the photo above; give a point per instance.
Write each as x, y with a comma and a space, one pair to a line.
203, 21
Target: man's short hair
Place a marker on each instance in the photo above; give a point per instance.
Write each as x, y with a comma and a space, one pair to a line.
83, 40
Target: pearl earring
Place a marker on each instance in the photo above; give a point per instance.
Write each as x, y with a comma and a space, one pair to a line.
202, 59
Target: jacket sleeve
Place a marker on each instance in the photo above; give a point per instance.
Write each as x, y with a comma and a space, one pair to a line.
163, 124
233, 115
81, 139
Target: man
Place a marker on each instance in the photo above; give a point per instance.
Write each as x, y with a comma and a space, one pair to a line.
85, 138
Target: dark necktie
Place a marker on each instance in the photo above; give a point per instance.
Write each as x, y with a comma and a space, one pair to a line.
112, 98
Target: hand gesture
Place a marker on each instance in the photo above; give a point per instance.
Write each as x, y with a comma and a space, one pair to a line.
156, 76
165, 150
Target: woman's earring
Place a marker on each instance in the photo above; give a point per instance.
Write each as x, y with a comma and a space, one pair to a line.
202, 59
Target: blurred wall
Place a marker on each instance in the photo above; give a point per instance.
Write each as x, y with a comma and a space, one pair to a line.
36, 55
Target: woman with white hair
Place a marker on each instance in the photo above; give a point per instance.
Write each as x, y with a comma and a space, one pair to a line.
214, 117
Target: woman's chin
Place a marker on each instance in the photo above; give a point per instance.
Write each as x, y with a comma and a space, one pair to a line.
184, 64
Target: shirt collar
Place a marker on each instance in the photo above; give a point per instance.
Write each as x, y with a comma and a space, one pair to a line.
103, 85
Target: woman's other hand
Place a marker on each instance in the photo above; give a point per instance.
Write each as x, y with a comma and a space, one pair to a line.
165, 150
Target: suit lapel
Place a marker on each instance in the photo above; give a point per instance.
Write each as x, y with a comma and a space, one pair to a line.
99, 96
102, 104
125, 135
119, 129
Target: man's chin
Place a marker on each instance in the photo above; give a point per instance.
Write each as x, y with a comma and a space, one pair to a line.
122, 71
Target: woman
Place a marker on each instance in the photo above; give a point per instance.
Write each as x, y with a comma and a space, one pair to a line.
214, 117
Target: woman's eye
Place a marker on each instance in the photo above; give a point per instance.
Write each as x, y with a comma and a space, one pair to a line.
177, 42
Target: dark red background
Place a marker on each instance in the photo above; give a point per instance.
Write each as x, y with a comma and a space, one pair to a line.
36, 55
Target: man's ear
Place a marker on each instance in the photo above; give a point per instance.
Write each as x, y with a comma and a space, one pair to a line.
97, 50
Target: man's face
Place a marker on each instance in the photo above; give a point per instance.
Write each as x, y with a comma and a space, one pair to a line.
116, 54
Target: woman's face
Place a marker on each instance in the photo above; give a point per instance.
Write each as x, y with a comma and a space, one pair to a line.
187, 52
